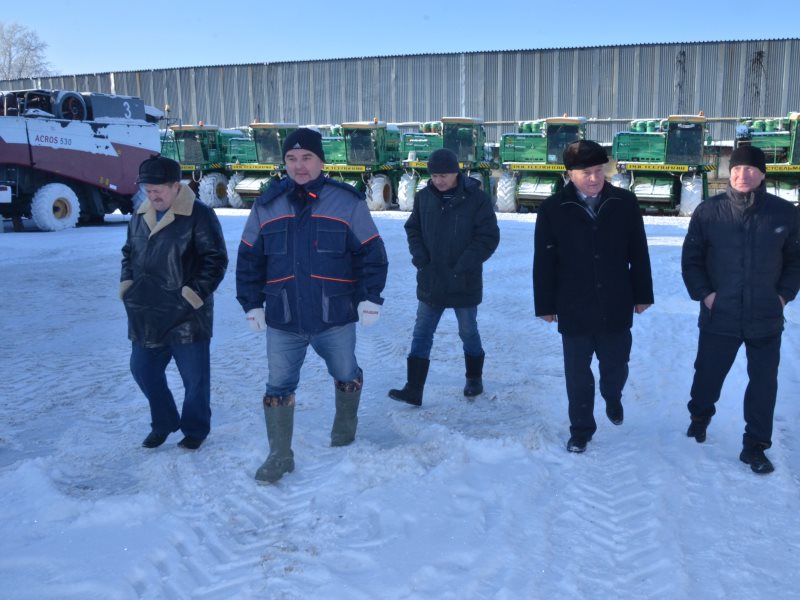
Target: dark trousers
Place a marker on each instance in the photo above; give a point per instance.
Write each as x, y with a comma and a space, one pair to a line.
148, 366
715, 356
613, 352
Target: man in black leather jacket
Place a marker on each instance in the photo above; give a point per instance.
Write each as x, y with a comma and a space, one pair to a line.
741, 261
172, 261
451, 232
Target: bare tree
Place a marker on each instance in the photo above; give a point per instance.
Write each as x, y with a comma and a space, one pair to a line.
21, 53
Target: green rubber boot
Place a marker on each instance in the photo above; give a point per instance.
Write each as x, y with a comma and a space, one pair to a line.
348, 396
279, 415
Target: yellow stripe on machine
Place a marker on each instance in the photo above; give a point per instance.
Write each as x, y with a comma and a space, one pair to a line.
252, 167
783, 168
533, 167
344, 168
652, 167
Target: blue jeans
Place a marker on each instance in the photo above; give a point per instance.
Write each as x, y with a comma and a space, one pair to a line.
428, 320
613, 352
149, 365
286, 351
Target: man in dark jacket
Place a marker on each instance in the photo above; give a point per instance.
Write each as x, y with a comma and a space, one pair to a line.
311, 264
591, 272
451, 232
173, 260
741, 261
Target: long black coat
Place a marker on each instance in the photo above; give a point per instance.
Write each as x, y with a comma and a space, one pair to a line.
591, 272
748, 259
170, 269
449, 241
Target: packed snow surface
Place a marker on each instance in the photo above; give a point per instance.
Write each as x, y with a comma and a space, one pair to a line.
455, 500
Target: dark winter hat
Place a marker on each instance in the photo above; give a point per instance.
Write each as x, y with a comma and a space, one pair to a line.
304, 139
584, 154
750, 156
442, 161
159, 170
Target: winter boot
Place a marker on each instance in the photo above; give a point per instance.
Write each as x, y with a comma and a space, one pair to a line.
474, 385
615, 412
417, 373
697, 428
757, 460
348, 395
279, 415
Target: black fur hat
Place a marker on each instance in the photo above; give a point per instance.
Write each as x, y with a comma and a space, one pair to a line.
584, 154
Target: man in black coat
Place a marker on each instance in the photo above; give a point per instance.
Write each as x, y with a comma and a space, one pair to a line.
591, 272
741, 261
172, 261
451, 232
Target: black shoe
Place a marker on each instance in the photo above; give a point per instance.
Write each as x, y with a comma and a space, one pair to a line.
154, 440
408, 395
697, 428
615, 413
758, 462
473, 387
577, 444
190, 443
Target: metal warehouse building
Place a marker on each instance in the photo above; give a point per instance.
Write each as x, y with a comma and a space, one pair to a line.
725, 80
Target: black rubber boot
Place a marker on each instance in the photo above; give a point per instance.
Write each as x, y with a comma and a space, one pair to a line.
279, 415
697, 428
348, 396
474, 385
757, 460
417, 373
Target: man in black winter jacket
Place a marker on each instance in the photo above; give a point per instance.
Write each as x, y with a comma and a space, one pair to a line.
741, 261
451, 232
591, 272
172, 261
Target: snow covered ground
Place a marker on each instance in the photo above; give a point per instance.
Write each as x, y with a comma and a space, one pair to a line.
456, 500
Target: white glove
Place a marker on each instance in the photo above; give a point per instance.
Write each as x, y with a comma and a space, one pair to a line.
368, 313
255, 319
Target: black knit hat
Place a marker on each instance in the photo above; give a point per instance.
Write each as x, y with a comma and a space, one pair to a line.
442, 161
304, 139
750, 156
159, 170
584, 154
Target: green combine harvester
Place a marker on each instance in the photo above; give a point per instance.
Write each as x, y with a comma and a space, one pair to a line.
779, 138
532, 161
416, 148
663, 162
203, 151
370, 161
256, 162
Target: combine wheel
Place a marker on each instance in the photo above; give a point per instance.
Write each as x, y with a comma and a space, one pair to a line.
379, 192
507, 193
234, 199
214, 190
406, 190
55, 207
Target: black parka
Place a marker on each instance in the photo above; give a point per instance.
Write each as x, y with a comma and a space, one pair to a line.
170, 269
748, 258
449, 240
589, 271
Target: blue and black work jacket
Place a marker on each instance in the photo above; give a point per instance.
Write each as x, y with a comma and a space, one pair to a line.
309, 254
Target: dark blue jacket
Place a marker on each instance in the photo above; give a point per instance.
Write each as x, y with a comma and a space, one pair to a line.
589, 271
309, 254
449, 240
748, 258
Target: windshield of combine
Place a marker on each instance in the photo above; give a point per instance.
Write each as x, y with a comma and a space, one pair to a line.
189, 147
558, 138
268, 145
360, 149
461, 141
685, 144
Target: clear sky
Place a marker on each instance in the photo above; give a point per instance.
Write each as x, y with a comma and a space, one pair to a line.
91, 36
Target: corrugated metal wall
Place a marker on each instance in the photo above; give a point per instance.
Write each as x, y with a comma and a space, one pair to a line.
723, 79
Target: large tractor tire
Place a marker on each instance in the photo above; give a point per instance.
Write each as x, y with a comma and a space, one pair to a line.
379, 193
54, 207
213, 190
234, 199
406, 191
507, 193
